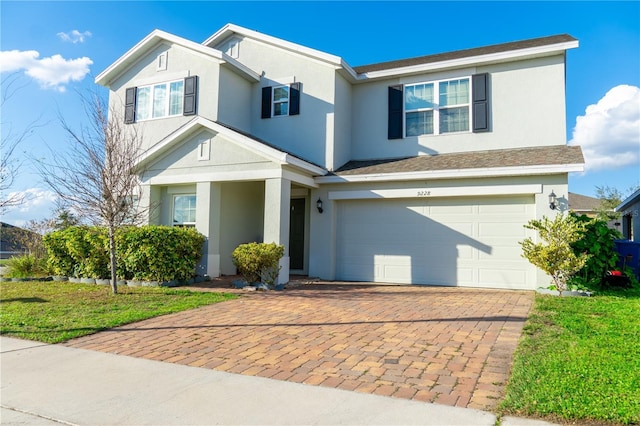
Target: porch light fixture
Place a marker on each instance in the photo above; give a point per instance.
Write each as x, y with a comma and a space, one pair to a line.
319, 205
552, 201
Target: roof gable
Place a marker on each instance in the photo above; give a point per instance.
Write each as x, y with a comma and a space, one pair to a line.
252, 144
106, 77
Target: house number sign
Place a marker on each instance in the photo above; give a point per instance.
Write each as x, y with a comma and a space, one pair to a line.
424, 193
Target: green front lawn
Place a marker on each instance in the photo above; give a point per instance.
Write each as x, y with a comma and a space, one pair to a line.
55, 312
579, 360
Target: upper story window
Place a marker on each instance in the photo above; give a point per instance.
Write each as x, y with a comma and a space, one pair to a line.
437, 107
184, 210
281, 100
160, 100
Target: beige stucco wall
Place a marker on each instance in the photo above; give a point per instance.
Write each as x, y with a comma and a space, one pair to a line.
527, 109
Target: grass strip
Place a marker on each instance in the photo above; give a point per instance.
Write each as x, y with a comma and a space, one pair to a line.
579, 360
54, 312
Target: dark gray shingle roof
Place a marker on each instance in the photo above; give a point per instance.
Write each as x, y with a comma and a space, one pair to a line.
536, 156
458, 54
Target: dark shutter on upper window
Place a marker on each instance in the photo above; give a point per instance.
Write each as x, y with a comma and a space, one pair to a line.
266, 102
190, 95
481, 102
130, 105
395, 112
294, 99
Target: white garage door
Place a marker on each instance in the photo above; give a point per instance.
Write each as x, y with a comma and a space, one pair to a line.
460, 241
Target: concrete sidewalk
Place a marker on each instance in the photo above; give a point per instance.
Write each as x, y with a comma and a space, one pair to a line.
52, 384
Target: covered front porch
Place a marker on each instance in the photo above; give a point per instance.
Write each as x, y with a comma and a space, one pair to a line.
234, 190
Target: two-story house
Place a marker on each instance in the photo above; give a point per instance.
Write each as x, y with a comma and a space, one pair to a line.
421, 170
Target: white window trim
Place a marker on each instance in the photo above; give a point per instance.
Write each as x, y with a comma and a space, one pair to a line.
173, 209
274, 102
436, 106
167, 106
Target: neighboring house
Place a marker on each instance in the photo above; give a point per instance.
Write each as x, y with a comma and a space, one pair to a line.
421, 170
9, 246
630, 211
588, 206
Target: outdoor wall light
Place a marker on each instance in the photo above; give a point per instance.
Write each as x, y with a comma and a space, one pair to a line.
552, 201
319, 205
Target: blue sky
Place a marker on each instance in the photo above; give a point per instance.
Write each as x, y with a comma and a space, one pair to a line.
52, 50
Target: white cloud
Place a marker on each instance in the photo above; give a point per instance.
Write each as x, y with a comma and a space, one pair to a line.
39, 204
74, 36
51, 73
609, 132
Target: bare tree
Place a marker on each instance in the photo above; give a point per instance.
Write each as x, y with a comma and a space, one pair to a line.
97, 176
9, 164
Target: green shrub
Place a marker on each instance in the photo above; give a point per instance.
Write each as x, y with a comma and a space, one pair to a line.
256, 261
26, 266
158, 253
59, 258
147, 253
78, 251
598, 242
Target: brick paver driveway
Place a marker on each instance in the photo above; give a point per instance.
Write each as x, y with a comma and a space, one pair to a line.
447, 345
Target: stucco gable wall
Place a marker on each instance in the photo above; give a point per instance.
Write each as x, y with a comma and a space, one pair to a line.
527, 109
224, 157
234, 100
308, 133
181, 63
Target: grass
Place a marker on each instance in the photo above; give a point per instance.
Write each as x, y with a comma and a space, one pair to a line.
55, 312
579, 360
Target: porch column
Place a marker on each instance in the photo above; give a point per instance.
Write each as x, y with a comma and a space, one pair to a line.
149, 204
277, 199
208, 196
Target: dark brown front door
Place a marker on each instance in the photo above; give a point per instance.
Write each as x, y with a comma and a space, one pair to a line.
296, 234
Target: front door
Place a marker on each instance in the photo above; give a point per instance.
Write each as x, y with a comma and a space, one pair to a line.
296, 234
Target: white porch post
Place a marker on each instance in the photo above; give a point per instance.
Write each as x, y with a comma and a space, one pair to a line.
208, 195
150, 204
277, 200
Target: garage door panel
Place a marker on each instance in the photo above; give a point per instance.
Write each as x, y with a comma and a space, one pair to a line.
458, 241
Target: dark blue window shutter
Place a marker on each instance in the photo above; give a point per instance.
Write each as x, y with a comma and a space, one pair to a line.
294, 99
190, 95
481, 102
130, 105
266, 102
396, 99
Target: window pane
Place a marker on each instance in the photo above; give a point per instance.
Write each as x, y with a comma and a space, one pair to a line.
454, 120
454, 92
142, 103
184, 209
418, 96
159, 100
281, 94
175, 97
281, 108
419, 123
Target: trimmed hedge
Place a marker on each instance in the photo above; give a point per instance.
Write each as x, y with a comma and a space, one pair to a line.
147, 253
258, 261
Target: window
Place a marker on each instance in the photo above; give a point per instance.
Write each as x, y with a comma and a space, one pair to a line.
160, 100
436, 108
281, 100
184, 210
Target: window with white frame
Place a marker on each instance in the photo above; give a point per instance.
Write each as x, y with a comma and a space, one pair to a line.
438, 107
280, 100
159, 100
184, 210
